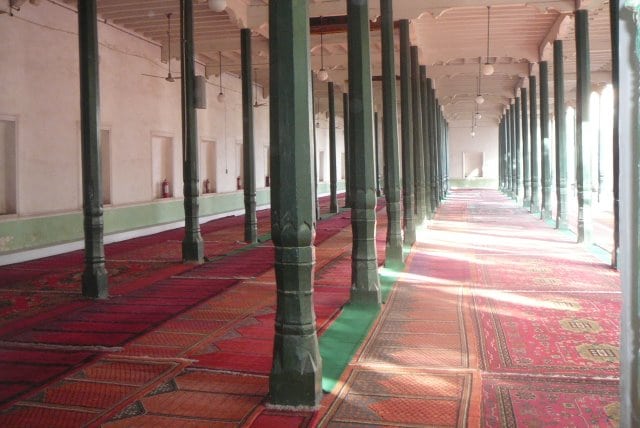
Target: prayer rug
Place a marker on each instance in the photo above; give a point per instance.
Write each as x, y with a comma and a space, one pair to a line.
376, 397
549, 333
514, 402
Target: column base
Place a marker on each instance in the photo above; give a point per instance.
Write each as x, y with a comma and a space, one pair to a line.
193, 250
296, 375
95, 282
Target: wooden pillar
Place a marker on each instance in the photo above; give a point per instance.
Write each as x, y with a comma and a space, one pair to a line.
296, 374
518, 149
365, 286
614, 16
248, 145
376, 151
433, 136
533, 129
192, 244
560, 112
390, 130
629, 261
347, 149
526, 162
94, 277
501, 169
333, 170
406, 130
418, 144
424, 101
509, 147
583, 126
545, 141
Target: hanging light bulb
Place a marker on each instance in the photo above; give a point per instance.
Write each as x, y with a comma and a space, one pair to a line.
479, 99
323, 75
217, 5
221, 94
473, 133
487, 69
478, 116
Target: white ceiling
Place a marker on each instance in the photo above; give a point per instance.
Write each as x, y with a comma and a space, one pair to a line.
451, 36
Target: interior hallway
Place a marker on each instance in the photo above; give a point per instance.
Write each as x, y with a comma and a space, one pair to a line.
498, 320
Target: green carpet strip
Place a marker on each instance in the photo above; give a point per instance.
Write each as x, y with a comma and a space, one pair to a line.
345, 335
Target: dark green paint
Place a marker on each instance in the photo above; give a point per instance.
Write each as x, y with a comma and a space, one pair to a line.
365, 286
407, 137
560, 112
392, 183
248, 146
533, 132
526, 162
192, 244
333, 171
545, 141
94, 277
583, 155
418, 144
296, 374
424, 101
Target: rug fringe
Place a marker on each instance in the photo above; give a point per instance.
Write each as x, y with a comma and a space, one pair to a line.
61, 347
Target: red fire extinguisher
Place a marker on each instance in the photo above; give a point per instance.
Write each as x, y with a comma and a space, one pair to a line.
206, 186
165, 188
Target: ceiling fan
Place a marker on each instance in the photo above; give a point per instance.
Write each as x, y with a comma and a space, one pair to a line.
169, 77
255, 87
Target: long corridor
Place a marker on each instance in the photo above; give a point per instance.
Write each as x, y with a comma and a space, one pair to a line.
497, 320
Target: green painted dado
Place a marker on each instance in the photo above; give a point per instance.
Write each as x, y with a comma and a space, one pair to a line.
473, 183
18, 234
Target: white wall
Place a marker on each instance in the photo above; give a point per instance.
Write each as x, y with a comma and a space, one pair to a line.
461, 141
39, 85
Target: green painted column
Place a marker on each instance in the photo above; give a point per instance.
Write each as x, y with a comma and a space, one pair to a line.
446, 156
347, 149
546, 213
94, 276
407, 137
192, 244
376, 138
296, 374
333, 170
583, 128
424, 101
433, 135
501, 155
533, 132
560, 112
629, 261
248, 145
512, 150
315, 146
518, 151
418, 144
392, 185
526, 162
509, 141
365, 285
614, 16
441, 165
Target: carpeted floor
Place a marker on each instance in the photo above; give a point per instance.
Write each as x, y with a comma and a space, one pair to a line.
497, 320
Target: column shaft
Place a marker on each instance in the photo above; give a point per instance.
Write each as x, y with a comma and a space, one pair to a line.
418, 144
518, 151
365, 287
433, 136
192, 244
509, 140
406, 130
94, 277
347, 149
614, 16
560, 113
392, 185
333, 170
545, 141
248, 145
583, 126
296, 374
376, 138
533, 129
424, 101
526, 162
